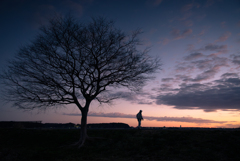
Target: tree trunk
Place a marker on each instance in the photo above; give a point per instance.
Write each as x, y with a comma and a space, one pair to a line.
83, 134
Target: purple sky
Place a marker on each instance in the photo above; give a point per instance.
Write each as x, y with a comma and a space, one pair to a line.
198, 42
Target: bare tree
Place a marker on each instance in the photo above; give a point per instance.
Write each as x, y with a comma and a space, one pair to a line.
71, 61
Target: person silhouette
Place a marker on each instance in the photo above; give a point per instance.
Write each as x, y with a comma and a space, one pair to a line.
139, 118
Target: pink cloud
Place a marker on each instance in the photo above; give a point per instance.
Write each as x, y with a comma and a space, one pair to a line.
224, 37
190, 47
165, 41
177, 34
201, 33
150, 118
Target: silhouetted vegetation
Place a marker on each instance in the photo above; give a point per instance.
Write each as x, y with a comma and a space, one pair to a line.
121, 145
39, 125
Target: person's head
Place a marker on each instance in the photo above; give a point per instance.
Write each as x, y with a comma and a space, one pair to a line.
140, 111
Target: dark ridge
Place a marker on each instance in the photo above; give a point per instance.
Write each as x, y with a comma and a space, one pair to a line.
39, 124
21, 124
108, 125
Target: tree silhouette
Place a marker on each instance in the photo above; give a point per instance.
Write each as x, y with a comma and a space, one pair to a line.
75, 63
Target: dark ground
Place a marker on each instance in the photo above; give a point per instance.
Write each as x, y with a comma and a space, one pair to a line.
121, 145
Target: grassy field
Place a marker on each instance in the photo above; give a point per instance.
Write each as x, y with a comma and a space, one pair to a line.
121, 145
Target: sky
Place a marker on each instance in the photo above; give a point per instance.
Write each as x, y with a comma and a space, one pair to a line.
198, 42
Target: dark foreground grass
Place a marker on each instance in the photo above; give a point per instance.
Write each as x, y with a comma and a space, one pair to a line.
121, 145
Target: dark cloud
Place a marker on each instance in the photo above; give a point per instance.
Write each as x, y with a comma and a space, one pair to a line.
180, 77
127, 96
167, 79
145, 102
205, 67
184, 67
236, 59
208, 68
213, 62
166, 87
227, 75
220, 94
193, 56
214, 47
206, 75
168, 119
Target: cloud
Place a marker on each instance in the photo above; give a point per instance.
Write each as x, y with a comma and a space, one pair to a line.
150, 118
216, 49
177, 34
190, 47
127, 96
188, 23
230, 126
224, 37
193, 56
206, 75
202, 33
138, 98
164, 41
213, 47
208, 65
231, 75
187, 32
166, 87
236, 59
167, 79
184, 67
222, 94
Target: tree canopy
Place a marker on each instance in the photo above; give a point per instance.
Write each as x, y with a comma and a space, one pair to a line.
70, 61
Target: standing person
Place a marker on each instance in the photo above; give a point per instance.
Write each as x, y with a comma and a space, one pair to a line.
139, 118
